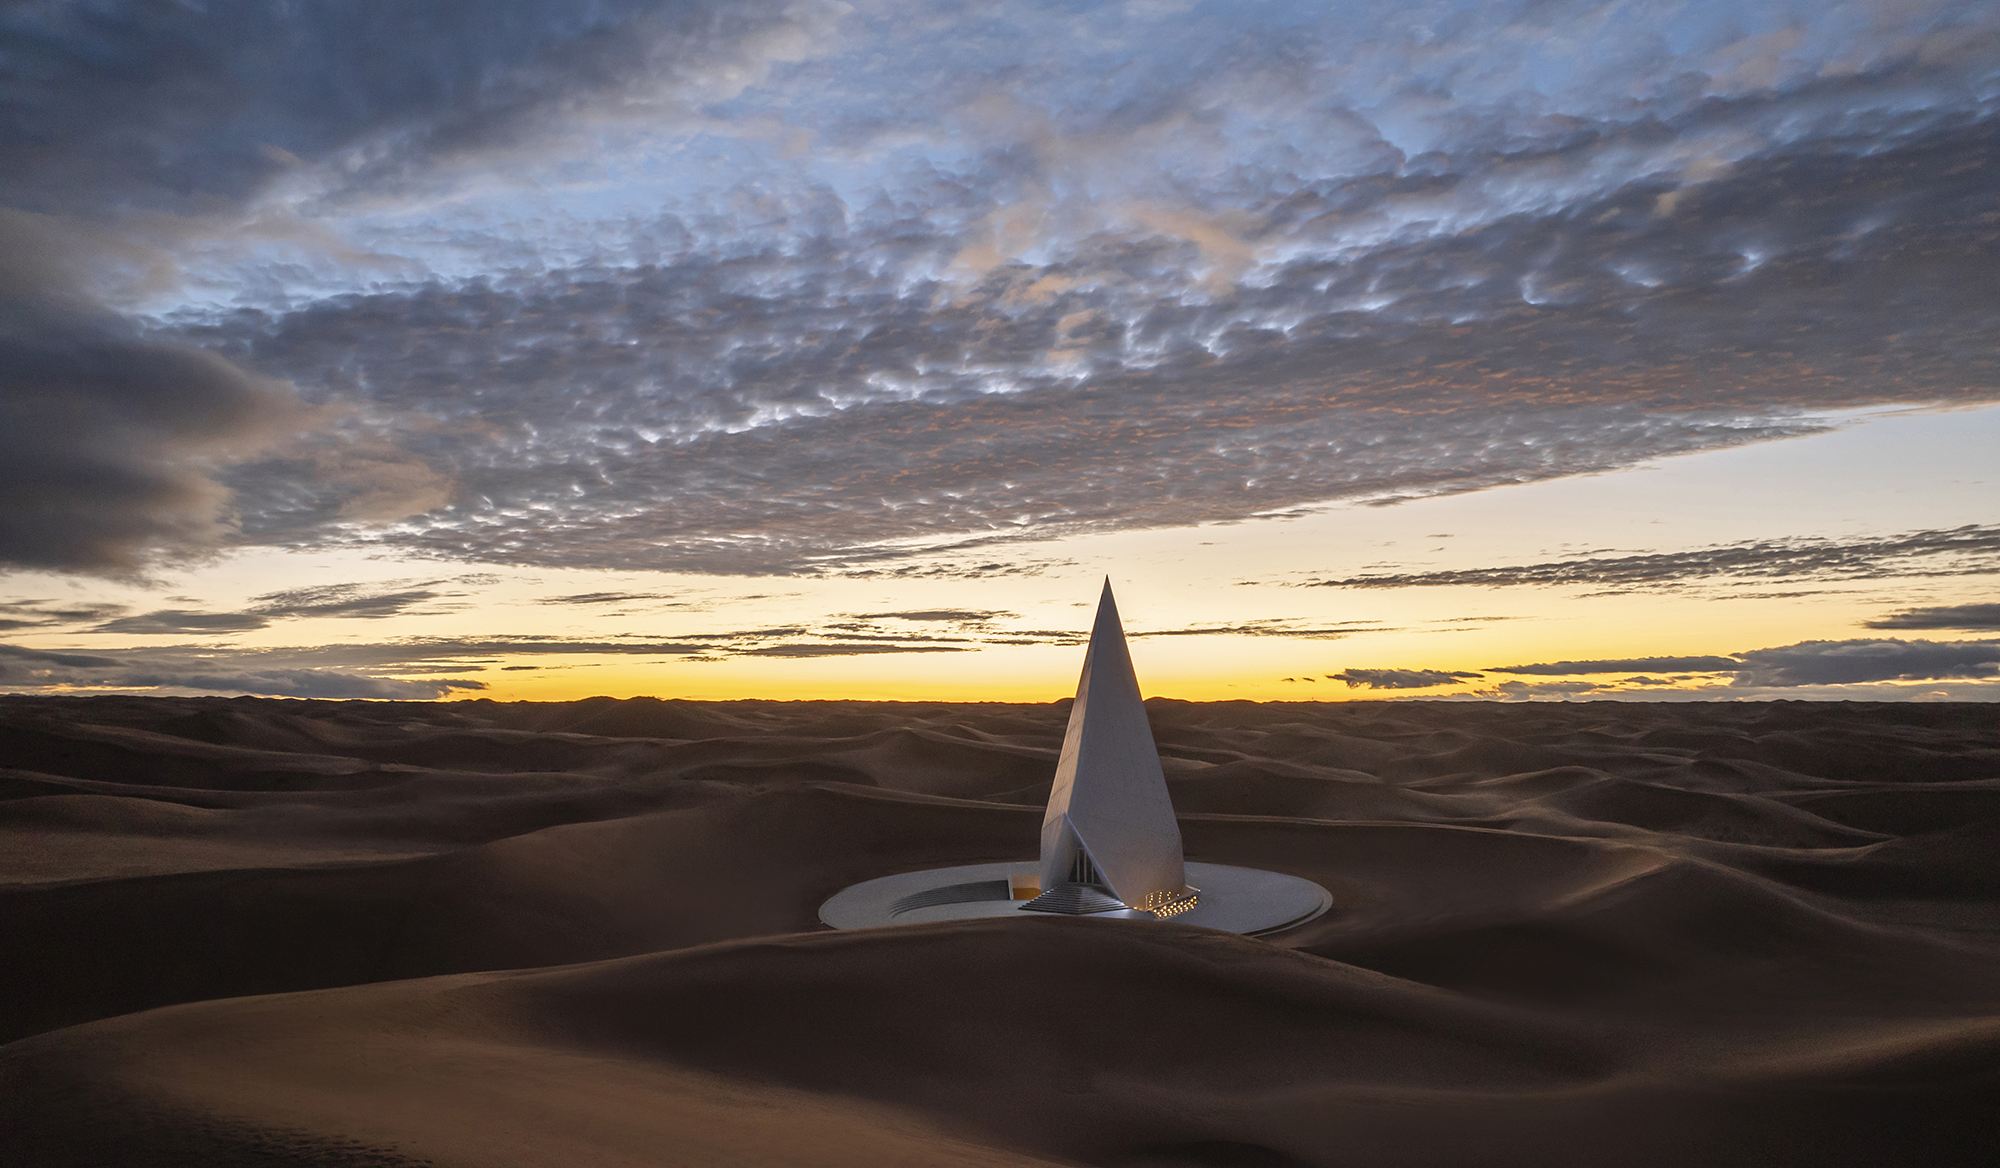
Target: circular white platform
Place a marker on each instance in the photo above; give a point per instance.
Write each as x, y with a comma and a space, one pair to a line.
1234, 900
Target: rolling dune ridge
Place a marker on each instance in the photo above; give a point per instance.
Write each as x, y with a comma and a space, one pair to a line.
264, 932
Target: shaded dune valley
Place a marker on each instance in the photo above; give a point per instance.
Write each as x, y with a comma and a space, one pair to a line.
266, 932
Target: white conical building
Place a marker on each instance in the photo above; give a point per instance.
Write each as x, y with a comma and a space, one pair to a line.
1110, 844
1109, 839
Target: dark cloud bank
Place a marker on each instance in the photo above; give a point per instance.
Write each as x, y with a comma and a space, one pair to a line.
1809, 663
1624, 665
1958, 616
109, 439
780, 377
1845, 662
1400, 678
124, 126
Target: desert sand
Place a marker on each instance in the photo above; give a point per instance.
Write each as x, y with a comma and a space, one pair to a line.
265, 932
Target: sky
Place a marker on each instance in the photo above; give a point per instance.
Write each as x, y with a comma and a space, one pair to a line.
527, 349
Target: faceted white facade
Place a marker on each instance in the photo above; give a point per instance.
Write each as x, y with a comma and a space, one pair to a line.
1109, 839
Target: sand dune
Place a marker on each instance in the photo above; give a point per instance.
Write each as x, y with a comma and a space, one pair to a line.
275, 932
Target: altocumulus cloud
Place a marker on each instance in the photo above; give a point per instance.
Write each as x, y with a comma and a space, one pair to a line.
37, 613
1956, 551
761, 288
344, 601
